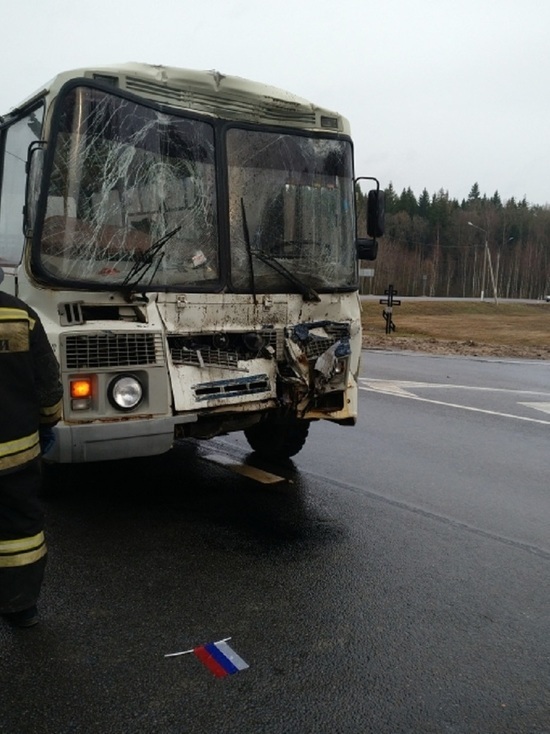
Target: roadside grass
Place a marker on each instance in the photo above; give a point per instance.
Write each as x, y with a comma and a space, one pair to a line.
482, 324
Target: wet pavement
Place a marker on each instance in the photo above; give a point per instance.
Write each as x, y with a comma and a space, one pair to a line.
378, 584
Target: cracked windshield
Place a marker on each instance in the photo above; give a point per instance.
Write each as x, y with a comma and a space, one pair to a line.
291, 213
132, 203
131, 197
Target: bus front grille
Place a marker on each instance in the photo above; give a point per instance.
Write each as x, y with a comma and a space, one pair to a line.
203, 349
92, 351
202, 357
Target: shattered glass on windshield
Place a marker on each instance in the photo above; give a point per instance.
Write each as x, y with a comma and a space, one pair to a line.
132, 203
291, 212
131, 197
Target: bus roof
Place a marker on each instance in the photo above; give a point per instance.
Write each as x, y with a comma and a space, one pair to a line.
209, 92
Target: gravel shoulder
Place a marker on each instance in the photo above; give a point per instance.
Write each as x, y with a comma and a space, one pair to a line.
444, 347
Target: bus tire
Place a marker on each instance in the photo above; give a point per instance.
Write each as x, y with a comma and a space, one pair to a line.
278, 438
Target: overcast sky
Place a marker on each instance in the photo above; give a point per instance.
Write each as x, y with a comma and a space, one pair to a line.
439, 93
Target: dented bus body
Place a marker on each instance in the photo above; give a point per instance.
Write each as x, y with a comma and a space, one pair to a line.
189, 240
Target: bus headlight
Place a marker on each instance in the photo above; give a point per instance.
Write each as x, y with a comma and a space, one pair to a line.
125, 392
340, 367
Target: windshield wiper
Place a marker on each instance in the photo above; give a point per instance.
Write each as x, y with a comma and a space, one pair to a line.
309, 293
246, 234
146, 261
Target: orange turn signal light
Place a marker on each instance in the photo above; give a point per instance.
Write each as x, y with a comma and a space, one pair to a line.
81, 388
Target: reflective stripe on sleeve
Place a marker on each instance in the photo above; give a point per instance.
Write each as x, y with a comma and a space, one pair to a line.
51, 413
18, 444
15, 314
23, 457
20, 451
22, 551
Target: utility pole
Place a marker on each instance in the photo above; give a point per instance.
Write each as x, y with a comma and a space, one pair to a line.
487, 259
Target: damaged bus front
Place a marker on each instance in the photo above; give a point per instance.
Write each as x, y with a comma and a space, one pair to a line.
190, 242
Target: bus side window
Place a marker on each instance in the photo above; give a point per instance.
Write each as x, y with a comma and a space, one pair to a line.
17, 139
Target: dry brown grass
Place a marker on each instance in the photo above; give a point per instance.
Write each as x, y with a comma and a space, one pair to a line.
462, 327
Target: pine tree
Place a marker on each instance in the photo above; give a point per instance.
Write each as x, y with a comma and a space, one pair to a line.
408, 203
424, 204
496, 200
474, 194
390, 199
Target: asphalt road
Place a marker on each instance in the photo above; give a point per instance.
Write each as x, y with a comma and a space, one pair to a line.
393, 578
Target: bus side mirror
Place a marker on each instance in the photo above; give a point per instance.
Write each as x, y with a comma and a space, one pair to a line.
366, 249
375, 214
34, 168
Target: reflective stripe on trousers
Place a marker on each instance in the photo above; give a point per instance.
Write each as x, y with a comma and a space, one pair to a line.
22, 551
22, 545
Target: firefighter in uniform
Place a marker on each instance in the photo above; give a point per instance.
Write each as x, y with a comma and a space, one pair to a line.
30, 405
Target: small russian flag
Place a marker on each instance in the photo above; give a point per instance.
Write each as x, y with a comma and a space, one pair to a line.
218, 657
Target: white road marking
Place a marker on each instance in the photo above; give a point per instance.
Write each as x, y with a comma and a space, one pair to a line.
397, 388
391, 386
545, 407
400, 385
245, 470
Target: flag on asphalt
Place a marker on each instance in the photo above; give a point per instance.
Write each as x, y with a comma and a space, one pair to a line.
218, 657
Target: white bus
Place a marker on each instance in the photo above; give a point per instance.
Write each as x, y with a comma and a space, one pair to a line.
190, 241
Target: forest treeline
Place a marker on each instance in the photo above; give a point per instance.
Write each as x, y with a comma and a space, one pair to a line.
437, 246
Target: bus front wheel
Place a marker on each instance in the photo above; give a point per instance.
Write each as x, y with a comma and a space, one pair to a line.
278, 438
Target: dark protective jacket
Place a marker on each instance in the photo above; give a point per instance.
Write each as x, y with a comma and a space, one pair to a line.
30, 386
